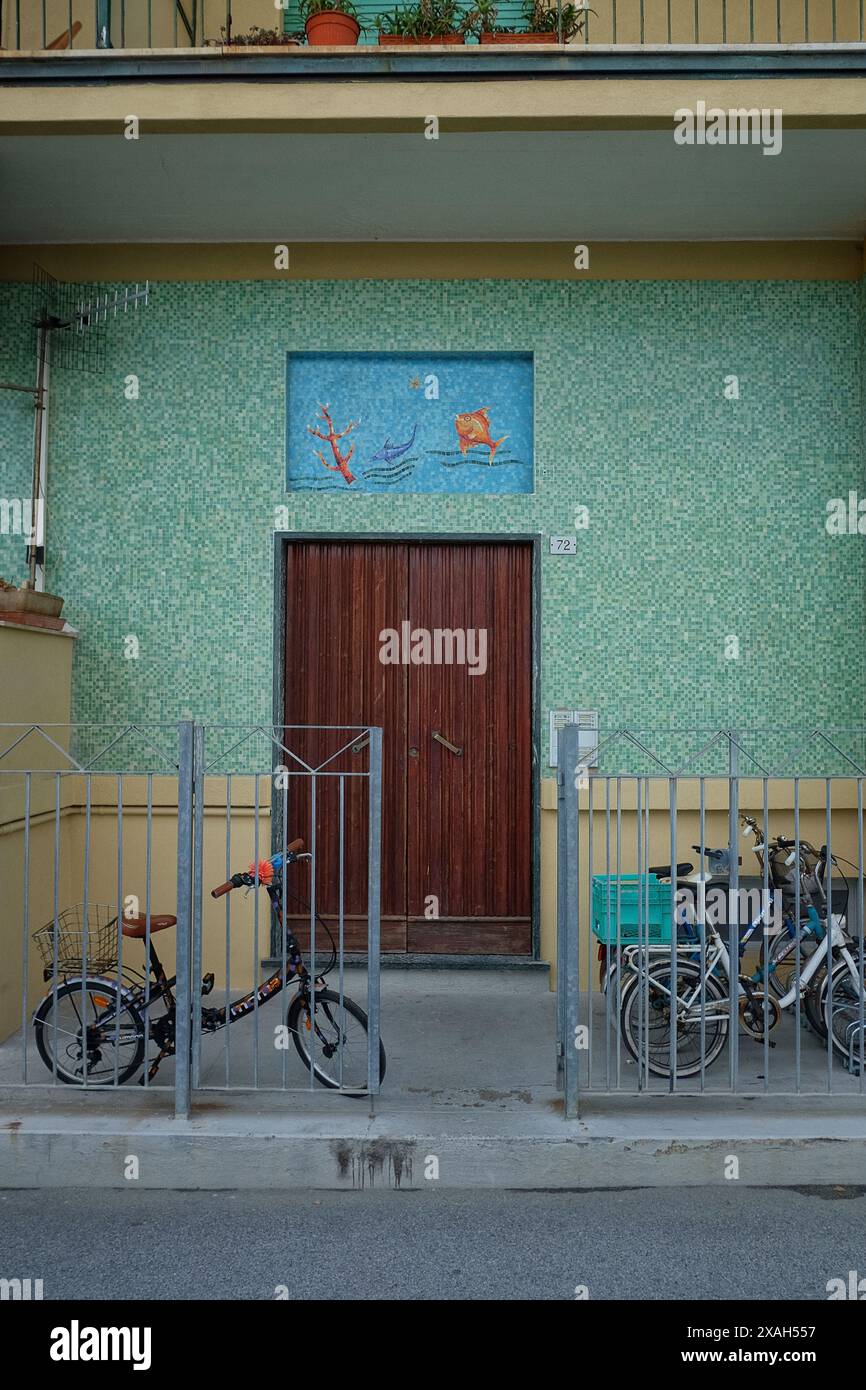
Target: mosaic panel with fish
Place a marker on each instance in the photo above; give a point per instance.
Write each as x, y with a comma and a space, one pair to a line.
410, 422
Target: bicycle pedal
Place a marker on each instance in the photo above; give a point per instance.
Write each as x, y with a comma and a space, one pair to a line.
207, 983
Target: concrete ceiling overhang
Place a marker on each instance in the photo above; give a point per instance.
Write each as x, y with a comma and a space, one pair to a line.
519, 158
496, 185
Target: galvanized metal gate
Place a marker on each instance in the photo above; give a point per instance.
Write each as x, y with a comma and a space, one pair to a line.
88, 848
662, 967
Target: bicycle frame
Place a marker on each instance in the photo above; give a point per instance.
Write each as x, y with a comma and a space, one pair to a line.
295, 971
717, 955
235, 1010
161, 1030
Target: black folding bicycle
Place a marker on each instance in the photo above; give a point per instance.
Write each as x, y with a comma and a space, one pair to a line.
93, 1028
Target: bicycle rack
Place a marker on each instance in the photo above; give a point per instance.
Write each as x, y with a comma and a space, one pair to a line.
853, 1030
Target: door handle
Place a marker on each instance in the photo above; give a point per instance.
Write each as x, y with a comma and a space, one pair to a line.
452, 747
361, 744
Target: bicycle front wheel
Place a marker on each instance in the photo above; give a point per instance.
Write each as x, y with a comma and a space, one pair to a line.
645, 1020
88, 1034
336, 1051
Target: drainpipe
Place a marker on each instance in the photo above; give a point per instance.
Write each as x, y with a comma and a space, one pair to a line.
36, 533
36, 547
35, 551
103, 23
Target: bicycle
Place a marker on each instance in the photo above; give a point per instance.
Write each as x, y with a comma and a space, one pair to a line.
703, 1007
775, 966
107, 1022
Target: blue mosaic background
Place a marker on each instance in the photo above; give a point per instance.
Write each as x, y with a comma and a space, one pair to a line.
400, 416
706, 515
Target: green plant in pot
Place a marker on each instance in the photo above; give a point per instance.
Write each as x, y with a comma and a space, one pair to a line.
330, 22
255, 37
481, 21
541, 18
540, 22
427, 22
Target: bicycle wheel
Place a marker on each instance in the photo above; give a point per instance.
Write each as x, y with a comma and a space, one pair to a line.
90, 1031
840, 1007
340, 1040
645, 1020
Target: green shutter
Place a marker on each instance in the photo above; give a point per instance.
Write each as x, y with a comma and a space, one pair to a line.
510, 16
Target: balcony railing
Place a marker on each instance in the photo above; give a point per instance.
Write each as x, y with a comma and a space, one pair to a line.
56, 25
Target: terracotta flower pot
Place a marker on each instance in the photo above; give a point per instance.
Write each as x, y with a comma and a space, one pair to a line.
30, 601
332, 28
519, 38
409, 41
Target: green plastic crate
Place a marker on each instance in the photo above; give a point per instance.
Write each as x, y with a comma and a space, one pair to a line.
644, 906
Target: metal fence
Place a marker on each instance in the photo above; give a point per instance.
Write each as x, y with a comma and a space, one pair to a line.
179, 24
110, 837
710, 922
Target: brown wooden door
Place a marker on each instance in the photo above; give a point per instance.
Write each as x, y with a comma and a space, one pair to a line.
469, 839
456, 828
339, 597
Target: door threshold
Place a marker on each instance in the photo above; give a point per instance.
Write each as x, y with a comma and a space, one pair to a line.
408, 960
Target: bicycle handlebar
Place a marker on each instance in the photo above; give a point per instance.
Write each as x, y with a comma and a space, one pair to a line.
247, 880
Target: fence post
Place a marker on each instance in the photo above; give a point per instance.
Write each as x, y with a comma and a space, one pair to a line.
561, 910
198, 861
734, 900
568, 963
183, 991
374, 904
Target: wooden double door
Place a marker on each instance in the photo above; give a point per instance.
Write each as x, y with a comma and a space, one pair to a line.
457, 735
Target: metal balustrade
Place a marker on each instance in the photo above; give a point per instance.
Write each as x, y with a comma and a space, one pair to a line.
112, 25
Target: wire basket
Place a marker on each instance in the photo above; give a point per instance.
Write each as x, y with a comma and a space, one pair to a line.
101, 922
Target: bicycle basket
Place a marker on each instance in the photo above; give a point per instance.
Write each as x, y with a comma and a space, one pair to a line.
101, 944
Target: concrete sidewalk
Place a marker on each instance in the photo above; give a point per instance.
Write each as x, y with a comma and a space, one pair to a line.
469, 1101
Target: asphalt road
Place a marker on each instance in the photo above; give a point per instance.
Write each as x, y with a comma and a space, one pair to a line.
688, 1243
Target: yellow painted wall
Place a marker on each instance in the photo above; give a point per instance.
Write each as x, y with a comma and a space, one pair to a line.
35, 685
244, 957
710, 260
328, 104
117, 816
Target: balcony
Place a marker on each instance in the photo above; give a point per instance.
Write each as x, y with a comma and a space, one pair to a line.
562, 143
161, 27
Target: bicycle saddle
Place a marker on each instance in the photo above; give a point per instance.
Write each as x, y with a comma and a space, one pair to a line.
137, 926
665, 870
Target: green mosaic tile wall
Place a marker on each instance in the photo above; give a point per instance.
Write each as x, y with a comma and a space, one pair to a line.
706, 514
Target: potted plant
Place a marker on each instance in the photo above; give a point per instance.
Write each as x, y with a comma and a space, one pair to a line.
255, 37
331, 22
29, 607
427, 22
539, 22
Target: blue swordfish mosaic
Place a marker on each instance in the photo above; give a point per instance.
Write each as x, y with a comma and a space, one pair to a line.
410, 422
